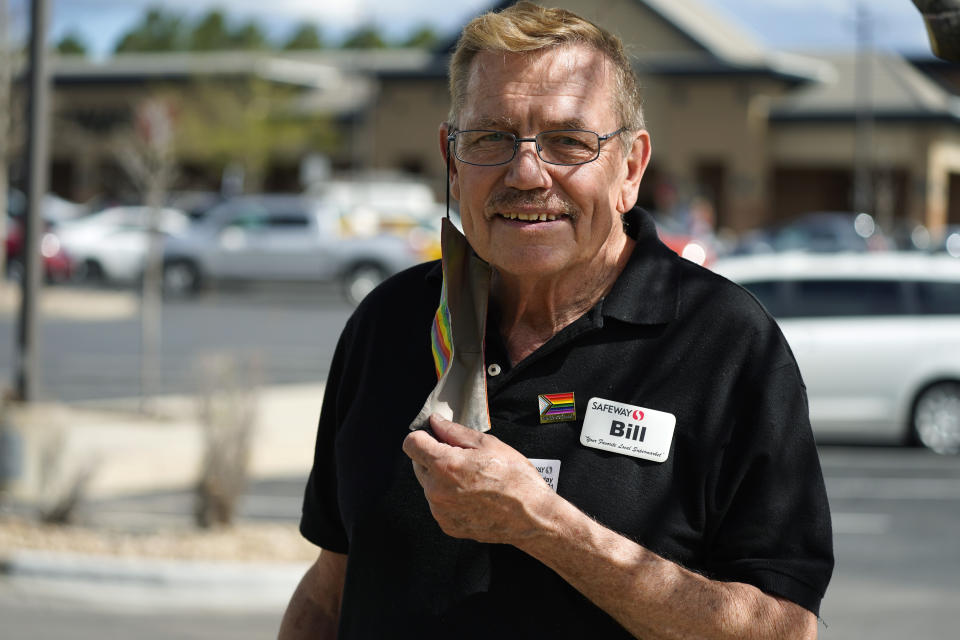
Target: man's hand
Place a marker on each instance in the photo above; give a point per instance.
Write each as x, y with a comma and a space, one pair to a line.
477, 486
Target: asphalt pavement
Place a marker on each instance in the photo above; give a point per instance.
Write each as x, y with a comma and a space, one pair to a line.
91, 348
27, 617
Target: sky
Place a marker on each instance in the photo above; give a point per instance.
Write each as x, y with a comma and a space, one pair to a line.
796, 25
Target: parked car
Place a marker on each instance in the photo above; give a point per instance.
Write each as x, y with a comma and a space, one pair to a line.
876, 336
195, 204
282, 238
379, 202
949, 241
111, 246
53, 209
56, 263
818, 232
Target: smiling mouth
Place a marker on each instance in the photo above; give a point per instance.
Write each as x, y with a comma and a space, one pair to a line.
532, 217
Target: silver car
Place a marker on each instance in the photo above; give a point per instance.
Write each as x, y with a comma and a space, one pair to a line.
876, 336
290, 238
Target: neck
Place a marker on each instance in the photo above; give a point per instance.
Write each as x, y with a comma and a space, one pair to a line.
534, 309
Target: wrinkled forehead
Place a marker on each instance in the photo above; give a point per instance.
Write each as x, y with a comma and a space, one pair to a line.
573, 73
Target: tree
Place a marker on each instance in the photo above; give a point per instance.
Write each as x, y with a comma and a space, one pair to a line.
158, 31
306, 36
246, 123
72, 45
365, 37
248, 36
145, 151
210, 33
163, 31
423, 38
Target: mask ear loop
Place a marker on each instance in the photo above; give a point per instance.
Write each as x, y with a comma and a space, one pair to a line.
449, 139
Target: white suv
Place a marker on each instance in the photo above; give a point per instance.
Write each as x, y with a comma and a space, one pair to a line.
876, 335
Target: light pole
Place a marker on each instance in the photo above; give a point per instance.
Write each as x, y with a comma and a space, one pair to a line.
28, 362
6, 62
863, 200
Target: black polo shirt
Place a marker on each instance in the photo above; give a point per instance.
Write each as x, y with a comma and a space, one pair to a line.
740, 496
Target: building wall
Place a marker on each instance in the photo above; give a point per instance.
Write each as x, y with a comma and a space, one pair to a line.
82, 150
953, 211
406, 121
811, 168
92, 120
701, 122
943, 161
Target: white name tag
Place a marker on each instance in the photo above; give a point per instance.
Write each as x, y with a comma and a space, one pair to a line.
627, 429
549, 471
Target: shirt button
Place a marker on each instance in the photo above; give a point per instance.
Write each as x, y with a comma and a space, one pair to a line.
494, 369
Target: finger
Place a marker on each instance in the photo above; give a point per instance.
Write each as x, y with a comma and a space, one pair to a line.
422, 448
455, 434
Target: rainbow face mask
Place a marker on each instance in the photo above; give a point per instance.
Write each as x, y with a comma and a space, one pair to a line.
457, 337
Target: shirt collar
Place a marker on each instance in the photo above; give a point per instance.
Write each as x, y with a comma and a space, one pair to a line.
646, 292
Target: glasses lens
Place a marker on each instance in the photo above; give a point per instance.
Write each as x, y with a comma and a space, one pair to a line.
484, 147
568, 147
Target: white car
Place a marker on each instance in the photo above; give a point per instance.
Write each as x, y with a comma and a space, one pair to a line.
876, 336
111, 245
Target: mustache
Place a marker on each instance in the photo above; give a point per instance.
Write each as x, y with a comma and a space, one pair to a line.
515, 199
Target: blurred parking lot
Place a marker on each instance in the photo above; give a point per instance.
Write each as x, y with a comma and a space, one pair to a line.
290, 173
91, 342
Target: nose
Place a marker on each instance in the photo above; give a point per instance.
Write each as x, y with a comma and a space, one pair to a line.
526, 170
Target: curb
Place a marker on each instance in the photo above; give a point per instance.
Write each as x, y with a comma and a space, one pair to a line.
156, 571
153, 582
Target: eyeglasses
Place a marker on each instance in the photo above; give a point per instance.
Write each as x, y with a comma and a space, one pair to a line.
488, 148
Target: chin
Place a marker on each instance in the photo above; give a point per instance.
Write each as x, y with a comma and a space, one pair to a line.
529, 264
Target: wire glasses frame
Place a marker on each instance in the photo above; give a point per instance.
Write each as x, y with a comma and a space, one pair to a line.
564, 147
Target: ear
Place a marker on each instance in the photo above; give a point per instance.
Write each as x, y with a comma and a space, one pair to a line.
637, 160
445, 147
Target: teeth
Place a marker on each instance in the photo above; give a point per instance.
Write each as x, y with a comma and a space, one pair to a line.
530, 217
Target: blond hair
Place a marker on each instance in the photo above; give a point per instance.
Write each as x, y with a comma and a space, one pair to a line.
526, 27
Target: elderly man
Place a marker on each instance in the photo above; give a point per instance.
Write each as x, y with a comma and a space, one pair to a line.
649, 469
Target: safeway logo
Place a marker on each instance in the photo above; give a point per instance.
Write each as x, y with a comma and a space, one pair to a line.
637, 415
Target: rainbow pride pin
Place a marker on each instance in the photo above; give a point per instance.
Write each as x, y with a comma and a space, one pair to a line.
557, 407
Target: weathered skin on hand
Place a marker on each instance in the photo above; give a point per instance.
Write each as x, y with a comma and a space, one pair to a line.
477, 486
